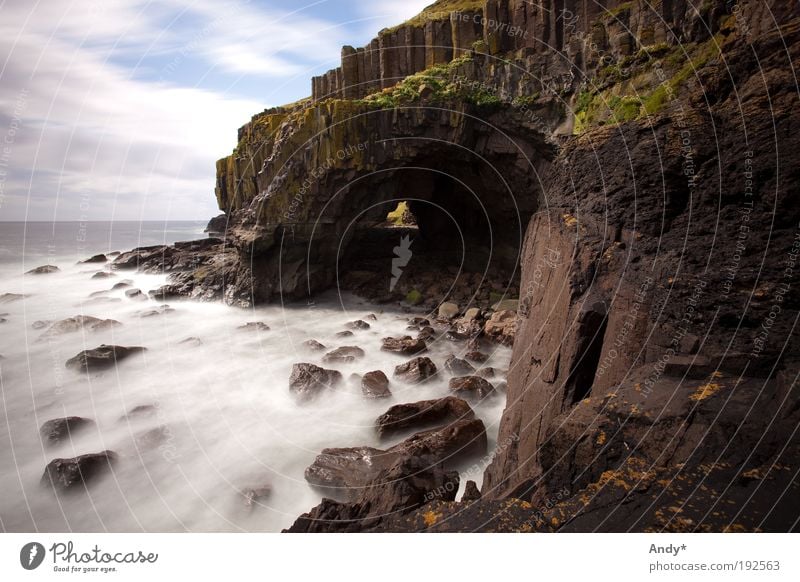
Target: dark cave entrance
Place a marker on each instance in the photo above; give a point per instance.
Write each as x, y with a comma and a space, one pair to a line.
591, 334
431, 236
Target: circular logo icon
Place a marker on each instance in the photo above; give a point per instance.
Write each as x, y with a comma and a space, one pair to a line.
31, 555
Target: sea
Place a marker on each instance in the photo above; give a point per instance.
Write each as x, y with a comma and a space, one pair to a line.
219, 418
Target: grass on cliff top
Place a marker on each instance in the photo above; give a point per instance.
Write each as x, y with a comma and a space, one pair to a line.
437, 84
440, 10
616, 104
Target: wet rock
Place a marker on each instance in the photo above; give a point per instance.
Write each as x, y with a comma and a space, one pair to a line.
254, 326
372, 317
502, 327
421, 415
76, 473
79, 323
448, 310
96, 259
101, 358
43, 270
476, 356
343, 355
472, 314
11, 297
375, 385
217, 225
153, 438
419, 321
471, 492
487, 372
455, 336
357, 324
405, 345
346, 333
308, 380
256, 495
344, 471
426, 333
471, 386
41, 324
54, 431
191, 341
160, 310
416, 370
314, 345
140, 411
103, 275
124, 284
402, 487
458, 367
135, 294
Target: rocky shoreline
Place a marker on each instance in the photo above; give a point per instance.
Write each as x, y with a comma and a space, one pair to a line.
624, 202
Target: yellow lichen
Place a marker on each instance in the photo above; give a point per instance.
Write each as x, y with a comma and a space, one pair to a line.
705, 391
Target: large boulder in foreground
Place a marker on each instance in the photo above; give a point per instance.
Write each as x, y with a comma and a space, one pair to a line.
71, 474
308, 380
423, 414
54, 431
101, 358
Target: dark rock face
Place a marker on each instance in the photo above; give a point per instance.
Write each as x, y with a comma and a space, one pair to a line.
308, 380
357, 324
314, 345
54, 431
471, 492
66, 475
423, 414
406, 345
343, 355
458, 367
471, 387
96, 259
416, 370
375, 385
43, 270
101, 358
217, 225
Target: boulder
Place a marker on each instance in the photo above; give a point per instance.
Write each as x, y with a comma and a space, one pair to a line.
372, 317
69, 474
191, 341
254, 326
423, 414
471, 492
426, 333
10, 297
455, 336
343, 355
345, 333
43, 270
405, 345
256, 495
506, 305
54, 431
124, 284
154, 437
470, 315
340, 470
416, 370
448, 310
103, 275
217, 225
502, 327
314, 345
135, 294
458, 367
471, 386
375, 385
308, 380
101, 358
140, 411
79, 323
419, 321
357, 324
41, 323
96, 259
476, 356
160, 310
487, 372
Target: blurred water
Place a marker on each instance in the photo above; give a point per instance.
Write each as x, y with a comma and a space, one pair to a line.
229, 421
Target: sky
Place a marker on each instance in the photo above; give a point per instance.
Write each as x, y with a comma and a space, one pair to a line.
118, 109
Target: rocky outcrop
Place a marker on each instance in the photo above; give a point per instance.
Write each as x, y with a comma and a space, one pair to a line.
308, 381
57, 430
422, 415
67, 475
102, 358
416, 371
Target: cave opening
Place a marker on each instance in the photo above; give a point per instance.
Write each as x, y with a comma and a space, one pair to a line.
431, 236
591, 334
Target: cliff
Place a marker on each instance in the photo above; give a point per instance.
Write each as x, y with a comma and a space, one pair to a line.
638, 160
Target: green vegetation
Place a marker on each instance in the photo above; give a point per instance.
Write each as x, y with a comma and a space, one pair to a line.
437, 84
414, 297
440, 10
